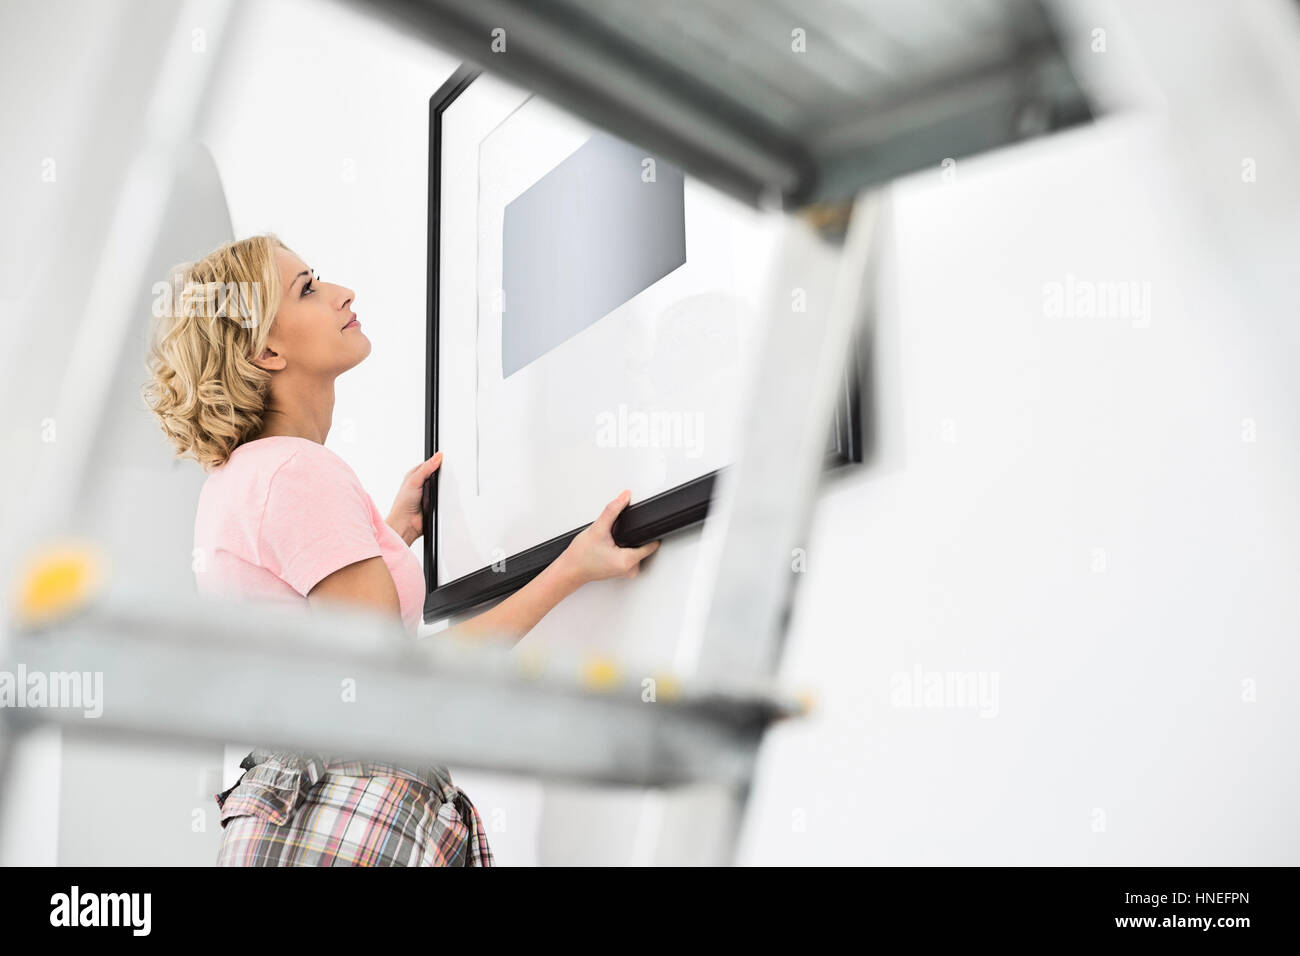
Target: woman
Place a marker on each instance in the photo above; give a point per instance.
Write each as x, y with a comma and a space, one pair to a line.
283, 518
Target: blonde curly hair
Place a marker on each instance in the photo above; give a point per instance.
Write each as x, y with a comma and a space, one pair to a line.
207, 393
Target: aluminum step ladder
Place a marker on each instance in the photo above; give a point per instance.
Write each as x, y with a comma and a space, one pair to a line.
185, 668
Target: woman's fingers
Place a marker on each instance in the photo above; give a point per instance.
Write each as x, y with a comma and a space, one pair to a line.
632, 557
605, 520
420, 473
645, 550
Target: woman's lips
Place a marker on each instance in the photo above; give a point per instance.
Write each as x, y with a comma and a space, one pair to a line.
353, 323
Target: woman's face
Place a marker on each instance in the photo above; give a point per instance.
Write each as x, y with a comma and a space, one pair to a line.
310, 332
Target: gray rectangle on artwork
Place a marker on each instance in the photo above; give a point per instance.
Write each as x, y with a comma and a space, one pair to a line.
582, 240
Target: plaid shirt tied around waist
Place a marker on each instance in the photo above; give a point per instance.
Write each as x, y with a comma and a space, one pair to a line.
306, 809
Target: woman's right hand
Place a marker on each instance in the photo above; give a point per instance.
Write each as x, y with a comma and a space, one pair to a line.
592, 555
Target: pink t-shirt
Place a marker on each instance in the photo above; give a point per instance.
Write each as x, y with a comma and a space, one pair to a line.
284, 512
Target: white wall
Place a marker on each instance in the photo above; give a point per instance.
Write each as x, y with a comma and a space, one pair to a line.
1098, 534
1063, 505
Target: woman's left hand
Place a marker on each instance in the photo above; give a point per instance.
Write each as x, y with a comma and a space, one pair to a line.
406, 516
593, 555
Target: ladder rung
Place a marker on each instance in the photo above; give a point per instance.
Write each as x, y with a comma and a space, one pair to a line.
351, 683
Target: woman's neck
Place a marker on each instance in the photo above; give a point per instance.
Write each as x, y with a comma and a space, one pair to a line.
299, 416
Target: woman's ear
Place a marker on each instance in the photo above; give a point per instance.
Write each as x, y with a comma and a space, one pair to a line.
269, 360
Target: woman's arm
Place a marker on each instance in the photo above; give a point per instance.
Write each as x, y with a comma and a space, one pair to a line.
591, 556
520, 612
367, 582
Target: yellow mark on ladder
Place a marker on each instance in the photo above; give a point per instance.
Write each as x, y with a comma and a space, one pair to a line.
667, 687
57, 580
600, 672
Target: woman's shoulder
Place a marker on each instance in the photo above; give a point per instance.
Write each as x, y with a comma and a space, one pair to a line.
255, 468
263, 455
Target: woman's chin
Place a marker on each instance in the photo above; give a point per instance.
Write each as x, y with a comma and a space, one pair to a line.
361, 353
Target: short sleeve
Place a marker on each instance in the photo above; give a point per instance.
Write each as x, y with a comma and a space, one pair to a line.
316, 520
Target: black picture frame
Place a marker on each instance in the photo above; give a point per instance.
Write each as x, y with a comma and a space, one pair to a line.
639, 522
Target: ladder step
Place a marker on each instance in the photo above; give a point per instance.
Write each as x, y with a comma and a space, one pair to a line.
351, 682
